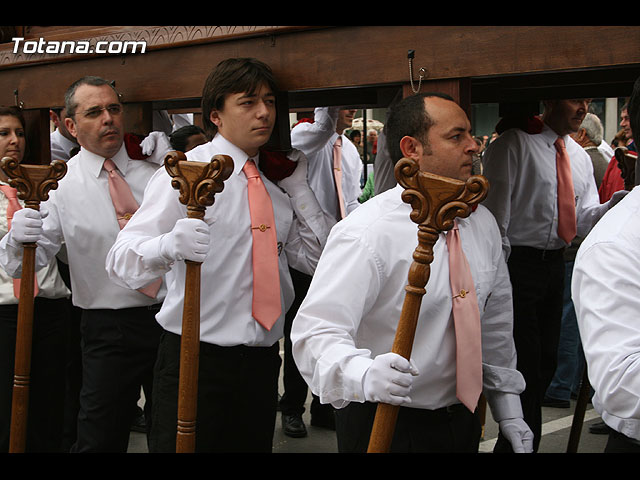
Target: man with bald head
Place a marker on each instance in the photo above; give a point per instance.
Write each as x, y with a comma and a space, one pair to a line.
344, 331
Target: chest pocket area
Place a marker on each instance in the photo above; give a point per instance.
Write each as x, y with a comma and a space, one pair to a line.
483, 280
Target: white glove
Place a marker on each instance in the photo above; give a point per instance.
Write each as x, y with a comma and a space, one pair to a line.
616, 197
156, 145
26, 225
189, 240
389, 379
518, 433
297, 181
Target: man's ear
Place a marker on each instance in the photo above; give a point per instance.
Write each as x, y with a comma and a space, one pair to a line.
410, 147
71, 126
215, 118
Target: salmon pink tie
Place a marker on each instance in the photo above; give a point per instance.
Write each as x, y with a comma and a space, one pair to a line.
266, 276
337, 175
13, 207
125, 206
566, 196
466, 318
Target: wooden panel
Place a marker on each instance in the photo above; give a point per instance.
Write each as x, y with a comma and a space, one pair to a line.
339, 57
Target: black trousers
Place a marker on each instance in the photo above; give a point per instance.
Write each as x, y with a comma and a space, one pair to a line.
47, 374
619, 443
119, 349
537, 277
237, 397
447, 430
295, 388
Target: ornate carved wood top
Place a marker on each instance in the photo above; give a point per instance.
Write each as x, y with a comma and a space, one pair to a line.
198, 182
33, 182
438, 200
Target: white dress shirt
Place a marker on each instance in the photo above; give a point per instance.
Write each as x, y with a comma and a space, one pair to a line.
50, 284
351, 311
606, 150
81, 214
316, 141
226, 273
606, 295
521, 169
61, 146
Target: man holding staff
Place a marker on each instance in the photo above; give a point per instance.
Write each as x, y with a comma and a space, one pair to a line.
118, 329
343, 333
239, 345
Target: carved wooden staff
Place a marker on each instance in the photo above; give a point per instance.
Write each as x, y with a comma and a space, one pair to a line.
627, 164
578, 413
436, 202
198, 182
33, 183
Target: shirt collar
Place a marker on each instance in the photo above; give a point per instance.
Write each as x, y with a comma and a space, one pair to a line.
552, 136
93, 162
222, 146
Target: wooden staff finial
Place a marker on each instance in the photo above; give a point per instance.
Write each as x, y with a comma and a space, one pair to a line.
436, 202
198, 182
33, 183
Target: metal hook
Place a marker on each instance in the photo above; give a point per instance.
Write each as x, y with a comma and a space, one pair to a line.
422, 73
19, 104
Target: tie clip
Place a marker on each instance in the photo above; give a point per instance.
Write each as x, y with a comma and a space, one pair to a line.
462, 294
262, 227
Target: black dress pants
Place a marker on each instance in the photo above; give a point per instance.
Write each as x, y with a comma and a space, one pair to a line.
447, 430
47, 374
537, 278
119, 350
237, 398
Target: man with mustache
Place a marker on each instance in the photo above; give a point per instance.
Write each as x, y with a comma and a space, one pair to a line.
118, 328
538, 219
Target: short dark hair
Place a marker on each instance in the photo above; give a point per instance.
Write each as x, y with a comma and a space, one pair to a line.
409, 117
178, 138
234, 75
69, 96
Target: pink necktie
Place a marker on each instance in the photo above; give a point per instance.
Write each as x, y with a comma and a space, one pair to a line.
566, 196
266, 276
125, 206
337, 175
12, 208
466, 318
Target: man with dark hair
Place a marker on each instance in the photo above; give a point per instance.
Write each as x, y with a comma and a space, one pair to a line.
239, 358
344, 331
119, 332
543, 193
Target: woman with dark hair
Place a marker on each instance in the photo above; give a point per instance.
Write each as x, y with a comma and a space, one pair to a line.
48, 357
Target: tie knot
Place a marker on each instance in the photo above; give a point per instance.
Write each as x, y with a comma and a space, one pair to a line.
559, 144
250, 169
338, 142
108, 165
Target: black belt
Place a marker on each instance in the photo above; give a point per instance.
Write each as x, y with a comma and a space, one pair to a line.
536, 253
455, 408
